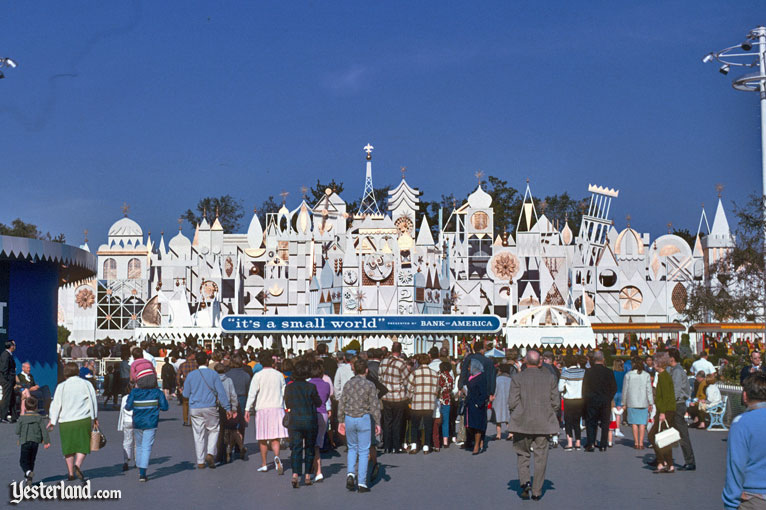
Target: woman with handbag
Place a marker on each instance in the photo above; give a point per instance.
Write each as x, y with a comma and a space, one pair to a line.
665, 402
75, 410
301, 402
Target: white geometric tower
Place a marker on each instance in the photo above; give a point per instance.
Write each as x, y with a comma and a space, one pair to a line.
596, 222
368, 205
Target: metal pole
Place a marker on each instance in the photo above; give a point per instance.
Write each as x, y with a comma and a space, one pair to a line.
762, 66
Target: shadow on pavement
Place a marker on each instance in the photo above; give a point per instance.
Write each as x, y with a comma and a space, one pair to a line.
515, 485
171, 470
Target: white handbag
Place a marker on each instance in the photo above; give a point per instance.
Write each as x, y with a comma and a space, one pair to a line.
667, 437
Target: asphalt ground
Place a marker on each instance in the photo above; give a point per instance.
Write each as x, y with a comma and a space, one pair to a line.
452, 478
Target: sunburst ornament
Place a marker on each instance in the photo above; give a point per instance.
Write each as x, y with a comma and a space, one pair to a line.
85, 298
505, 265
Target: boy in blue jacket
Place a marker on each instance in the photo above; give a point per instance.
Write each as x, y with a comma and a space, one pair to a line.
146, 404
746, 457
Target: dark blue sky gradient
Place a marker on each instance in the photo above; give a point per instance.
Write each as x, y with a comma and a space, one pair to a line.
161, 103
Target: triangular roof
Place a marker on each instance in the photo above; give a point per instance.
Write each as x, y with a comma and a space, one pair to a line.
216, 225
424, 234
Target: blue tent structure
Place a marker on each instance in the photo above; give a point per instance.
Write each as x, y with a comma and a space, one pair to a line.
31, 272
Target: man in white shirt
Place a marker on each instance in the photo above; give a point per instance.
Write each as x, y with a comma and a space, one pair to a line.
703, 365
343, 374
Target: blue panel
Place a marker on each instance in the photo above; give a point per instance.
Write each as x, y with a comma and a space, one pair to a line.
32, 313
364, 324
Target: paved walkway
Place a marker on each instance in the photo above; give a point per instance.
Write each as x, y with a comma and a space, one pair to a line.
449, 479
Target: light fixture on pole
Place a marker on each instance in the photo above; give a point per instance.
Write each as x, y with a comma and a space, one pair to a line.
6, 62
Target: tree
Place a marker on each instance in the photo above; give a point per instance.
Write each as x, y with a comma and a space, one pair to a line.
20, 228
685, 235
506, 203
431, 210
267, 206
228, 209
63, 335
561, 208
318, 192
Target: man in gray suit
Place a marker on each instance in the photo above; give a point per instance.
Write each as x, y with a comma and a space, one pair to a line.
534, 401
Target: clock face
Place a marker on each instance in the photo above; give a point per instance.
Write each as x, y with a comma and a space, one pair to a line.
208, 289
349, 277
404, 225
378, 267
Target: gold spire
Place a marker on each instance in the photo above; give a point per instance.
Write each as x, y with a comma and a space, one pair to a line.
85, 233
719, 188
180, 223
126, 208
628, 218
404, 171
479, 174
284, 196
304, 190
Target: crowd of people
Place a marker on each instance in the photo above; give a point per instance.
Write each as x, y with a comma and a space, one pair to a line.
382, 402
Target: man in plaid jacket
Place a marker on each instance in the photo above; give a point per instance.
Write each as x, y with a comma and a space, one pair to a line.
423, 389
393, 375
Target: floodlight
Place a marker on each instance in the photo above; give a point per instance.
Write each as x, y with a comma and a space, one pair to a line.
707, 58
10, 62
747, 45
724, 69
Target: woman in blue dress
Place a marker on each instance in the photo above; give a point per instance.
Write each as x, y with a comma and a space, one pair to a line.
477, 396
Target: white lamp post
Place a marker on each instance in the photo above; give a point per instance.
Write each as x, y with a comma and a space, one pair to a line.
750, 53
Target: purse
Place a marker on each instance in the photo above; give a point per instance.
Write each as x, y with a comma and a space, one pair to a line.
286, 420
667, 437
97, 439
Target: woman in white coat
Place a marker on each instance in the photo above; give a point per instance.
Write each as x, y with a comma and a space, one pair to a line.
75, 410
637, 396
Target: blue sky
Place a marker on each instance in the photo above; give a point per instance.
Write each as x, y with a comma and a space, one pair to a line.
158, 104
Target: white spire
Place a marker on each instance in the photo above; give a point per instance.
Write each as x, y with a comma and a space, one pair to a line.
162, 250
528, 216
703, 217
368, 204
720, 223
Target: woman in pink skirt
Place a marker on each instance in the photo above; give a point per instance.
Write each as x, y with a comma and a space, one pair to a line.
267, 391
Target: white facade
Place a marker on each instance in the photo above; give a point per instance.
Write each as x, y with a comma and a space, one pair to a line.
322, 259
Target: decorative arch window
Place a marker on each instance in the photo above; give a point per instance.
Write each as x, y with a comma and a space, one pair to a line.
110, 269
134, 269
